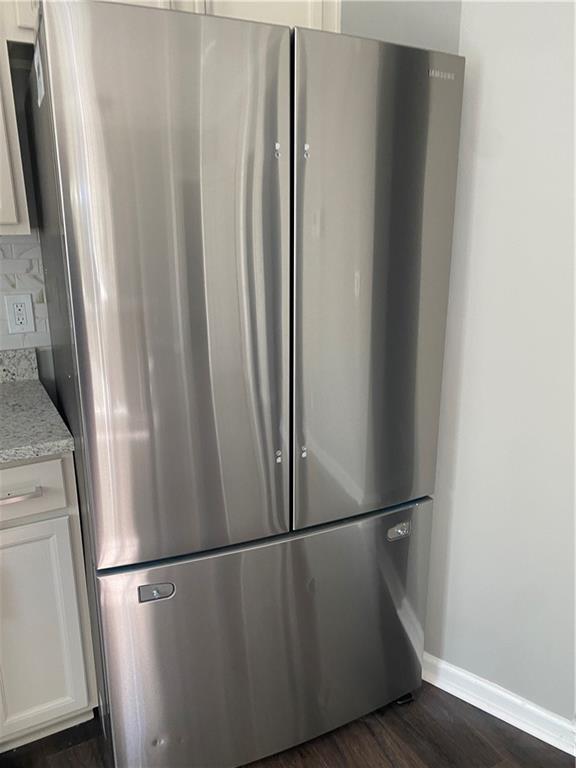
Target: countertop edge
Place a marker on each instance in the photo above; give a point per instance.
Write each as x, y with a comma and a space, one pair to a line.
37, 451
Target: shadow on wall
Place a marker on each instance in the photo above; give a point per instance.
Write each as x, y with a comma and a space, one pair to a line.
454, 362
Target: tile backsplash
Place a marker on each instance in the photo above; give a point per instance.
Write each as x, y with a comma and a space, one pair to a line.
21, 272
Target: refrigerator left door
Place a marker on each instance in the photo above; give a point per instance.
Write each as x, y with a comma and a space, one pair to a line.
172, 136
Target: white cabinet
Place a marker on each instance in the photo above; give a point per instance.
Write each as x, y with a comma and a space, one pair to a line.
42, 672
26, 14
149, 3
47, 677
191, 6
8, 207
18, 20
319, 14
30, 489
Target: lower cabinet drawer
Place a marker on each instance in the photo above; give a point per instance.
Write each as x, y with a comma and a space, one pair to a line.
31, 488
42, 669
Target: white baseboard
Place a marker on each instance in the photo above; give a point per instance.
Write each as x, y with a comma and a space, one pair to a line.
47, 730
489, 697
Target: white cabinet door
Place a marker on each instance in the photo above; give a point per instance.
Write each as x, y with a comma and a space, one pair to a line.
14, 25
42, 674
19, 20
191, 6
149, 3
8, 213
26, 13
319, 14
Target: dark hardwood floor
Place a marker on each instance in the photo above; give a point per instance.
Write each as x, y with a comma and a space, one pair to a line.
435, 731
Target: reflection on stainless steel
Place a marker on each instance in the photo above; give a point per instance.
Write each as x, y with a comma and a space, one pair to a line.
376, 145
176, 208
265, 646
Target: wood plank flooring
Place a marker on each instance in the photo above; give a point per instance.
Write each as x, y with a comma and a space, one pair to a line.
435, 731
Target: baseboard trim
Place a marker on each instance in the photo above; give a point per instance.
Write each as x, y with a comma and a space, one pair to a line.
489, 697
15, 741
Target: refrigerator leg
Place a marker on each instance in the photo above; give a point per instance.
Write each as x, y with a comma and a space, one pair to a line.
408, 698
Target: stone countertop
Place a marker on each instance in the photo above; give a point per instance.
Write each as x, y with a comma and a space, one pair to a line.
30, 425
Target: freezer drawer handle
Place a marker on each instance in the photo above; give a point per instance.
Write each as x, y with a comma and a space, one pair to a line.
400, 531
149, 592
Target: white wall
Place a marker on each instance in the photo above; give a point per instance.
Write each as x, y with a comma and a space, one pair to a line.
502, 578
423, 24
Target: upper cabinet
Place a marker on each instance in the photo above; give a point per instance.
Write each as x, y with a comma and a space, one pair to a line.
318, 14
27, 14
149, 3
191, 6
8, 206
18, 22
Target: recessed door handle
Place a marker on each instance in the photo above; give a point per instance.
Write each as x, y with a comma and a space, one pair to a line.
12, 498
399, 531
149, 592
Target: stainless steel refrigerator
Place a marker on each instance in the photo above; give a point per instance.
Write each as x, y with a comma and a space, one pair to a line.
247, 235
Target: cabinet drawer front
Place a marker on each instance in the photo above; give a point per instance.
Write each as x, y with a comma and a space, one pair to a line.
30, 489
42, 674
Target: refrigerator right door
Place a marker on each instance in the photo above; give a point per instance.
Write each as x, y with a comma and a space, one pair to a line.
375, 158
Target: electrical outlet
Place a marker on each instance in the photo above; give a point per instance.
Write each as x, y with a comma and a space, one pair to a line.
20, 313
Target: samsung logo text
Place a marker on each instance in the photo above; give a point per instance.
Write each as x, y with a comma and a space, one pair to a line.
440, 75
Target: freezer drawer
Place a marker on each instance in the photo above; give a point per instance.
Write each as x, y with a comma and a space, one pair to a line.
376, 147
176, 206
219, 660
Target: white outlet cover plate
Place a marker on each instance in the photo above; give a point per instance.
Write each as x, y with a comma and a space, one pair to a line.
19, 313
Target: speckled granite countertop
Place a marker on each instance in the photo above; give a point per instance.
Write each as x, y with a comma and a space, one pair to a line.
30, 425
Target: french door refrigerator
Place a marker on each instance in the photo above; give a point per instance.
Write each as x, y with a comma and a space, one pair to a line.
246, 233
